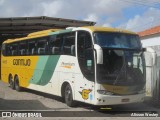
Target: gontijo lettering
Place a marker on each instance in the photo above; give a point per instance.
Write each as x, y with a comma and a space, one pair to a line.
22, 62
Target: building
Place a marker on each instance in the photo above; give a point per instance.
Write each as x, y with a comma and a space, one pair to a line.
150, 37
21, 26
151, 41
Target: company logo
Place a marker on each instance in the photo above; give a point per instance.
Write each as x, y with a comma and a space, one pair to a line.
21, 114
6, 114
85, 93
22, 62
67, 65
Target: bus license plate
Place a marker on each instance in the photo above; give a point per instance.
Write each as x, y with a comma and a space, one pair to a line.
125, 100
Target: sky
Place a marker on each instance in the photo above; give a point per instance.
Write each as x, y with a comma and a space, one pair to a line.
134, 15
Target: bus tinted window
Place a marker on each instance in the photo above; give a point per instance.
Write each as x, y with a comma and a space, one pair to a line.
69, 44
32, 49
117, 40
55, 43
42, 45
23, 47
4, 49
8, 50
14, 49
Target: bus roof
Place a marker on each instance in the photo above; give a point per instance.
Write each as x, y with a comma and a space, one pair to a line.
33, 35
43, 32
107, 29
53, 31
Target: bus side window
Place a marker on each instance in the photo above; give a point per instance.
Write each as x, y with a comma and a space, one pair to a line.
69, 44
4, 51
14, 49
42, 46
23, 48
32, 47
8, 50
55, 43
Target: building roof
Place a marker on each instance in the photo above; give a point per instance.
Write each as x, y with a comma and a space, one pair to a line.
150, 31
21, 26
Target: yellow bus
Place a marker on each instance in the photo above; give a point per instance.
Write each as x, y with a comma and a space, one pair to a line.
95, 65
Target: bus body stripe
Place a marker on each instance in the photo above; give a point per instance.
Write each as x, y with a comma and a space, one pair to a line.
44, 69
38, 69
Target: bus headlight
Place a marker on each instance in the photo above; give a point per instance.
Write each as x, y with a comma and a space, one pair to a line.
104, 92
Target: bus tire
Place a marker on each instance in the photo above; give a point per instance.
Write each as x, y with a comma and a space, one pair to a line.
16, 84
69, 96
11, 82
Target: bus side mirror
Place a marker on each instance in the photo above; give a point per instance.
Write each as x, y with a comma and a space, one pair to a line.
99, 54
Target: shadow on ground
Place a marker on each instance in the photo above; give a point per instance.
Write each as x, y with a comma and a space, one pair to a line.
27, 104
116, 110
21, 105
44, 95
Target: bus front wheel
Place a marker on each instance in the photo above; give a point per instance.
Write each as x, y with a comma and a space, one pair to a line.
11, 82
69, 96
16, 81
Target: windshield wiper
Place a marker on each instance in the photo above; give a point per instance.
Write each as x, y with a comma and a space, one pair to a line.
121, 72
130, 49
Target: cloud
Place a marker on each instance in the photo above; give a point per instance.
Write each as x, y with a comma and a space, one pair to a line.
19, 8
107, 25
104, 12
141, 22
52, 9
74, 9
91, 17
1, 2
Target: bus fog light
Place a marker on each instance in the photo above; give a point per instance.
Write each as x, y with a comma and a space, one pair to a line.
104, 92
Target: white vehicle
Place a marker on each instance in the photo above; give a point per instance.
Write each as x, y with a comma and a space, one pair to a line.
95, 65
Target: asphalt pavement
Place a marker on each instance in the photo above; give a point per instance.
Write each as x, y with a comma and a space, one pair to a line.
29, 101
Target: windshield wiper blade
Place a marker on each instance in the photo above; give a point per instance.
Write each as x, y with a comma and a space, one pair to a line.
131, 49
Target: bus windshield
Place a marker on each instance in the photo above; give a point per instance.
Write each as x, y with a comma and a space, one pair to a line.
123, 61
117, 40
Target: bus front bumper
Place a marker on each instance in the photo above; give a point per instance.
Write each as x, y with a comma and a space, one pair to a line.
115, 99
